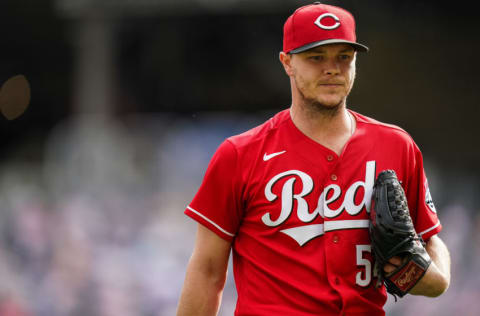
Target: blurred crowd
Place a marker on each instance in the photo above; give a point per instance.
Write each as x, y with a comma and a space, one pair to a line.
96, 226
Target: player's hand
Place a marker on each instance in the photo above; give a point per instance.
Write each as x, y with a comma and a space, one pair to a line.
392, 264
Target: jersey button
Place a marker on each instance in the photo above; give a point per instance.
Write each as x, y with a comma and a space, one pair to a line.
333, 177
337, 281
329, 157
335, 239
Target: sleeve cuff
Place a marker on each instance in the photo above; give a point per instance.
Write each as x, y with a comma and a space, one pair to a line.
211, 225
428, 233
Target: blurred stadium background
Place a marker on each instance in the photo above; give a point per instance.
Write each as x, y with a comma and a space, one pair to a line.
130, 98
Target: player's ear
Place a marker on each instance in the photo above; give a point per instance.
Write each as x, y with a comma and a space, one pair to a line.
286, 60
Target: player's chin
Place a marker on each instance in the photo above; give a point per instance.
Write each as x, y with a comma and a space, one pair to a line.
326, 108
331, 96
333, 101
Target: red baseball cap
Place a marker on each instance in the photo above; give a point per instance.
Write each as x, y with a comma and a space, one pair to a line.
319, 24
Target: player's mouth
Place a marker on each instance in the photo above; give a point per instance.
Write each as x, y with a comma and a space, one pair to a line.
331, 84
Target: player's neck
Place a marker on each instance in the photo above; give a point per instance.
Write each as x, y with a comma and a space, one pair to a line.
330, 129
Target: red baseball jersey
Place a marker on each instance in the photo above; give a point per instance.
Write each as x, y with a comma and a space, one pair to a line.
297, 214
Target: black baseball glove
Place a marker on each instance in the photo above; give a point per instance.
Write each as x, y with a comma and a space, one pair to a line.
393, 235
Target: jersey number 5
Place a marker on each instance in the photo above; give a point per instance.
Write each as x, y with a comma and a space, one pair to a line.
364, 277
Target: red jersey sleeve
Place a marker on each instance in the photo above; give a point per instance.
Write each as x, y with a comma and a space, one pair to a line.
217, 203
420, 203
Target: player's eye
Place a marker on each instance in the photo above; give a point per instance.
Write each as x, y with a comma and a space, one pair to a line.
345, 57
316, 57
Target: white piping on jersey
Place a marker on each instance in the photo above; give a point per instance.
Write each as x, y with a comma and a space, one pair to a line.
211, 222
431, 228
303, 234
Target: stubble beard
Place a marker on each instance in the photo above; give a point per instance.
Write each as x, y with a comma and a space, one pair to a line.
316, 107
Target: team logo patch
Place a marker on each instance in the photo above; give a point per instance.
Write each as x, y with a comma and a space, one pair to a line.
429, 201
318, 22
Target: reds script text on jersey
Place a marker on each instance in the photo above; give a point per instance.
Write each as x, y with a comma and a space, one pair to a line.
297, 215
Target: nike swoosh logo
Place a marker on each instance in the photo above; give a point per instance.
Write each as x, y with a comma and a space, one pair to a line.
270, 156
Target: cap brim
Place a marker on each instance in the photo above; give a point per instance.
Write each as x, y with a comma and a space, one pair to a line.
357, 46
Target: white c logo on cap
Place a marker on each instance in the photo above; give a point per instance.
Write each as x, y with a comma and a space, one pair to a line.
318, 21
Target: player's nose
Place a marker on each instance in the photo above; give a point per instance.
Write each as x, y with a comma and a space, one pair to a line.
331, 68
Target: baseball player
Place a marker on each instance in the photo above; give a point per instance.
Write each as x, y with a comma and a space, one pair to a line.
291, 198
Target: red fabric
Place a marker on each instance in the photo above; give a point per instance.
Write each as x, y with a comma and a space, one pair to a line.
300, 28
297, 215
